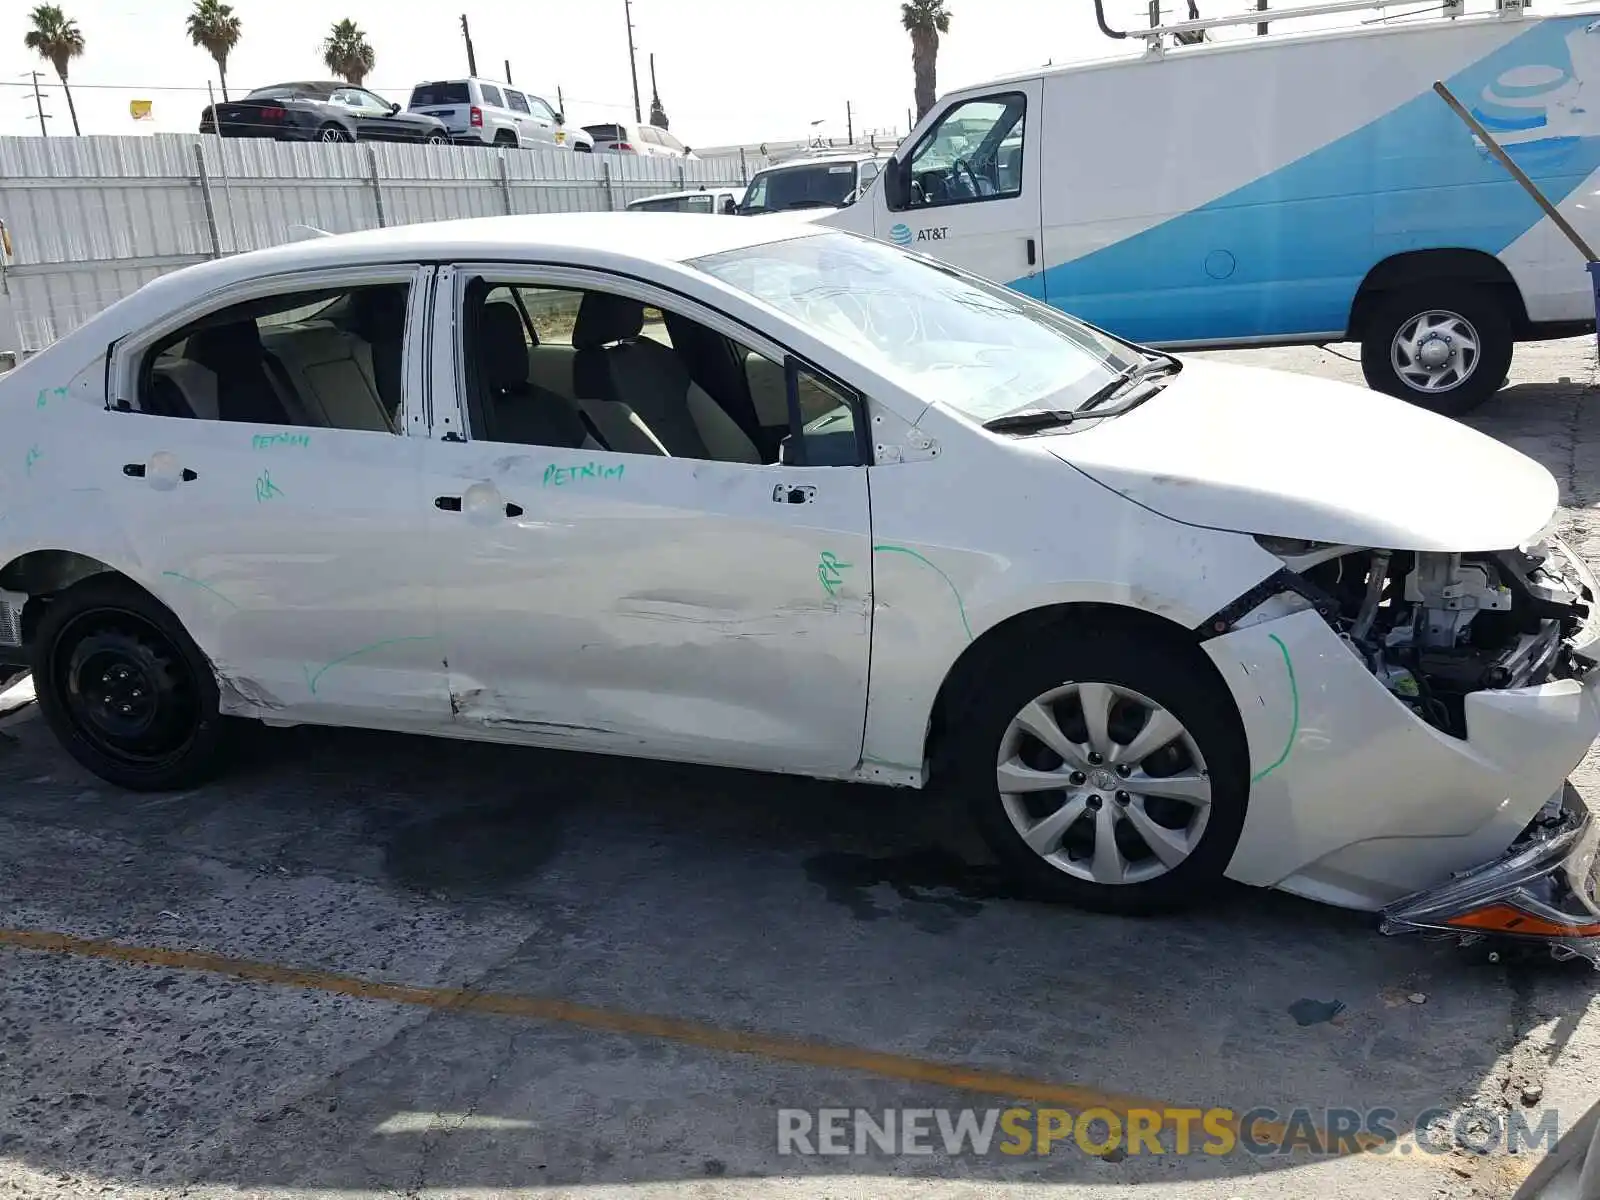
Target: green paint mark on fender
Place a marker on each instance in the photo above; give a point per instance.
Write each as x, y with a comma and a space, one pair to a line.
1294, 721
198, 584
265, 488
962, 608
33, 457
313, 676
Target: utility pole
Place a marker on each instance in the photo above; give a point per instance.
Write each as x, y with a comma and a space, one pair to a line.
508, 70
1261, 29
633, 64
849, 126
472, 59
38, 104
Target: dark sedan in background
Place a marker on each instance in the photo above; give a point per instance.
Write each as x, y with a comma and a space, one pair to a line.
320, 112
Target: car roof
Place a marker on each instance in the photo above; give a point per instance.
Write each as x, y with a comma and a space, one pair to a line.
710, 189
807, 160
323, 85
612, 240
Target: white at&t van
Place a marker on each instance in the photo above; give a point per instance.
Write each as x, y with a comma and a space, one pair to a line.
1290, 188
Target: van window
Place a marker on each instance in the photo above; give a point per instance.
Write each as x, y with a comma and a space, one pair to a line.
491, 95
439, 93
515, 99
974, 153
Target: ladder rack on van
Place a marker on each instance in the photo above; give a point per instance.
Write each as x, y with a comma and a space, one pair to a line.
1189, 31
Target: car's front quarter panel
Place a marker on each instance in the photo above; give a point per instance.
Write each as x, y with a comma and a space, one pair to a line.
988, 529
1355, 800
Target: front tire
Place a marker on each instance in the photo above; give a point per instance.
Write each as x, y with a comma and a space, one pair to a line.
124, 688
437, 139
1443, 347
1105, 767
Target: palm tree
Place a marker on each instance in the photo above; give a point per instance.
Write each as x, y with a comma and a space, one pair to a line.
56, 39
347, 52
213, 27
925, 20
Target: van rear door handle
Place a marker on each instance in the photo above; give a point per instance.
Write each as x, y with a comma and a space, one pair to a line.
1033, 254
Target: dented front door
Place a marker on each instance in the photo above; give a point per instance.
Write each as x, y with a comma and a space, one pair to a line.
707, 611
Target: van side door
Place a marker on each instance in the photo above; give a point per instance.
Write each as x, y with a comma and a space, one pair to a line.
970, 190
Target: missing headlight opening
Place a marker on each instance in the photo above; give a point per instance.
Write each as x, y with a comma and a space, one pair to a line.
1432, 627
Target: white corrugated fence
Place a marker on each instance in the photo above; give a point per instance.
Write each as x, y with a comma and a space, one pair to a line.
93, 218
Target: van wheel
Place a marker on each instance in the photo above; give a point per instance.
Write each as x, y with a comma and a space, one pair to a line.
1446, 348
1105, 768
124, 687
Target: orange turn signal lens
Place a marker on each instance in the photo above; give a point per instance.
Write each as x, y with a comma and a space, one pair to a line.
1503, 918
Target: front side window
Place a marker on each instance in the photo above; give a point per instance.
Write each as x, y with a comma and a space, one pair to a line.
942, 335
517, 101
647, 133
974, 153
593, 369
330, 358
541, 109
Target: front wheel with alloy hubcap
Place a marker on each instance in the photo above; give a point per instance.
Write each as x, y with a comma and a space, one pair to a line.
1106, 770
124, 688
1444, 348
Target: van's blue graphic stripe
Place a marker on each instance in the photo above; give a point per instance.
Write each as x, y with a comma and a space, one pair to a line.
1304, 236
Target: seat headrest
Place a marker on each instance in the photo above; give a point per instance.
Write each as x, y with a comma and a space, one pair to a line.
604, 318
502, 346
225, 346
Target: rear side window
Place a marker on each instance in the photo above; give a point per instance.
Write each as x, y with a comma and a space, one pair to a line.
491, 95
515, 99
605, 133
439, 93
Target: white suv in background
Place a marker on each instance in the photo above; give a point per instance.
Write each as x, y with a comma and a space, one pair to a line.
496, 114
637, 139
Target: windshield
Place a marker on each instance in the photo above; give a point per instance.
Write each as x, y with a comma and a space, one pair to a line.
815, 185
946, 336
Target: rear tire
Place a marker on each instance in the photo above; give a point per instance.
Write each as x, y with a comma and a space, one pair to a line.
1444, 347
124, 688
1097, 833
332, 134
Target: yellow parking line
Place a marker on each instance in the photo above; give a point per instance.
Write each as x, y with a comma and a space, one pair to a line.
610, 1020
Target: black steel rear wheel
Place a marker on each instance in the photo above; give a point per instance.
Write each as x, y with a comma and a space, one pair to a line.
124, 688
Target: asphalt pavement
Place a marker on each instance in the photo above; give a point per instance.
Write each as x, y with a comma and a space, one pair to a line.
369, 965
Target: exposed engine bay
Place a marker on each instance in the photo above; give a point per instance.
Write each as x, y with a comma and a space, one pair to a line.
1434, 627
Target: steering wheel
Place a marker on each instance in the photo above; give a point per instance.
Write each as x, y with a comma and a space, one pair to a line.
960, 167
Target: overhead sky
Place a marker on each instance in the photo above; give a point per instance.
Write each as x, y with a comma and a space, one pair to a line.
729, 70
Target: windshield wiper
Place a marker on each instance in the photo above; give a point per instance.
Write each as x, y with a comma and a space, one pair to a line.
1031, 420
1132, 376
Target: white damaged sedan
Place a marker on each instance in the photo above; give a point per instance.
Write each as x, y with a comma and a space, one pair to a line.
773, 496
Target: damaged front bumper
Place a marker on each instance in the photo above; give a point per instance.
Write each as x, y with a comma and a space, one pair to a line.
1544, 890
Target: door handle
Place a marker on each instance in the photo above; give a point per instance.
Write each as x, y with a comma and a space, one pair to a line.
453, 504
793, 494
136, 471
1033, 254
